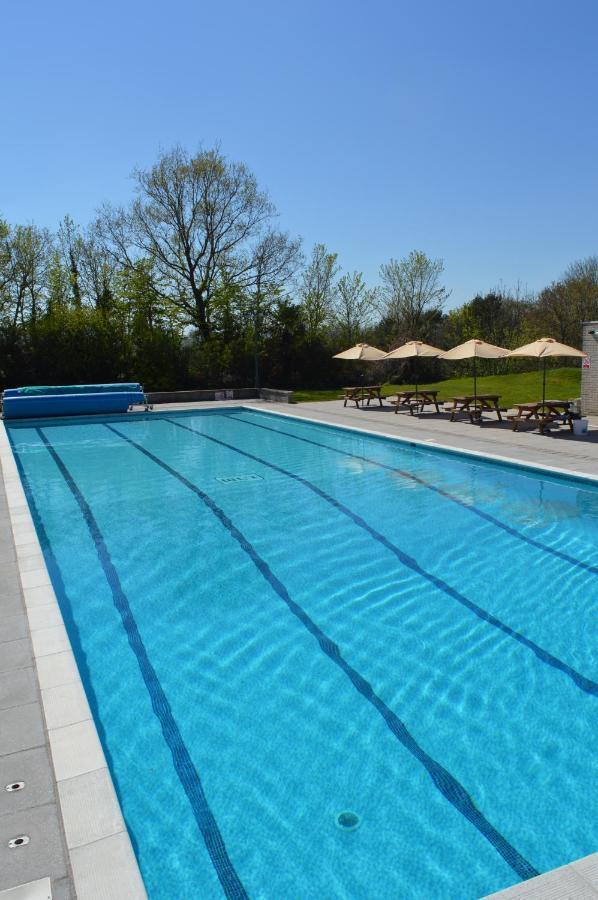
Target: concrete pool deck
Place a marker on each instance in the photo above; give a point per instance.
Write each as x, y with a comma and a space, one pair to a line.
68, 807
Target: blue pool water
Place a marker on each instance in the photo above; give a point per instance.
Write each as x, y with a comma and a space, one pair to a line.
279, 622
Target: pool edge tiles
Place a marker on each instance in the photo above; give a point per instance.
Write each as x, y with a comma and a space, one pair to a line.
433, 445
578, 880
101, 855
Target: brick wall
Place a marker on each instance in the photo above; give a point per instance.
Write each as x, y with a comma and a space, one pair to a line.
589, 377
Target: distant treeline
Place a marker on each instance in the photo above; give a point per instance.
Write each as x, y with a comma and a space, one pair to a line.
193, 285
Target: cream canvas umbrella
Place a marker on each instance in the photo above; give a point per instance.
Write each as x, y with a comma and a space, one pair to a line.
363, 352
542, 349
474, 349
413, 350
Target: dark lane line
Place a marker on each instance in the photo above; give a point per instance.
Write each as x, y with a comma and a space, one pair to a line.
447, 784
183, 764
587, 567
582, 682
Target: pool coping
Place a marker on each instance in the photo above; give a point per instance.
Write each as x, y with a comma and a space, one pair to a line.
433, 445
101, 857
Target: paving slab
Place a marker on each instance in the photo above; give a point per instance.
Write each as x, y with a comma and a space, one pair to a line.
42, 857
75, 796
17, 688
33, 768
13, 628
58, 668
102, 870
21, 727
33, 890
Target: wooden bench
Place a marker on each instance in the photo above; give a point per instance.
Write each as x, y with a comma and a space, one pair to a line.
540, 422
357, 394
416, 400
542, 415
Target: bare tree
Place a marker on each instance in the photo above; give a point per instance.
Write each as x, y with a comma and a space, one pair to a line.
98, 270
317, 289
412, 294
26, 254
353, 306
274, 260
70, 242
583, 270
194, 217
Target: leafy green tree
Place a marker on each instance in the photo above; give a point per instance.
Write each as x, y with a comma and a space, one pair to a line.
317, 290
27, 250
412, 296
80, 345
564, 305
353, 307
194, 217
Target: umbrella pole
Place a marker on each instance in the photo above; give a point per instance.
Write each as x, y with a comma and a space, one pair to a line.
544, 385
475, 384
416, 373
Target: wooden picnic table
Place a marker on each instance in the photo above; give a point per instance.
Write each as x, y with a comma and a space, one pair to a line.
474, 405
417, 399
357, 394
542, 415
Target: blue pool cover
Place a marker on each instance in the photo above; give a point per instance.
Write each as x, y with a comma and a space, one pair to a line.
67, 400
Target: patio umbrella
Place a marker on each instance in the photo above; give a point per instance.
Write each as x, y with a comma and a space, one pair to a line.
363, 352
542, 349
474, 349
411, 350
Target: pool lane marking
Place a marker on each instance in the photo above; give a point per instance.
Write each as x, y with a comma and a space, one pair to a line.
183, 764
447, 784
582, 682
560, 554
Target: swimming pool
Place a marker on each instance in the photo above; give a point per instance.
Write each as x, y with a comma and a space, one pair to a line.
279, 622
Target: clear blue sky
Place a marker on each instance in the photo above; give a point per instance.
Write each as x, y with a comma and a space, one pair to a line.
465, 128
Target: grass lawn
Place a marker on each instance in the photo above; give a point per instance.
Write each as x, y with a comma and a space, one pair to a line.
522, 387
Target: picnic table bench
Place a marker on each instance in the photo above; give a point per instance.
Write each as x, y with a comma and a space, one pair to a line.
359, 394
542, 415
474, 405
416, 400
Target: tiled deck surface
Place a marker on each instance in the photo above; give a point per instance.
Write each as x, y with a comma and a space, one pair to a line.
47, 737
